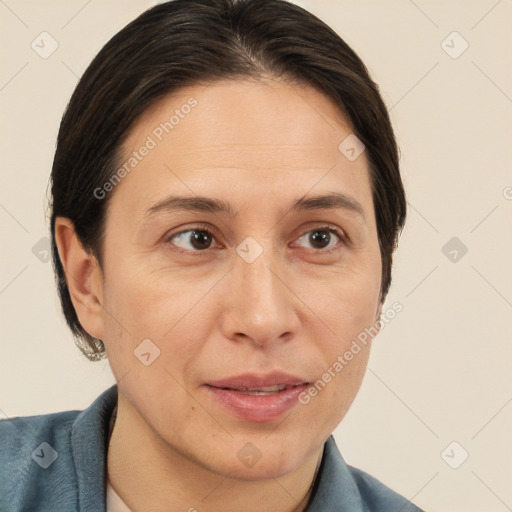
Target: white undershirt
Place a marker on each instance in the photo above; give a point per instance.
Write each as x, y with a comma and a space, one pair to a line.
114, 502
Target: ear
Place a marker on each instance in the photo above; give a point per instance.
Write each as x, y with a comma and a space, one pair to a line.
377, 323
83, 277
379, 311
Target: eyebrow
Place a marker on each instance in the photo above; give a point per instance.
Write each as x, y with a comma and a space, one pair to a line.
331, 201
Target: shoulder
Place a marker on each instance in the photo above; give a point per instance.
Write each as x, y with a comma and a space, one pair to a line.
23, 429
22, 436
46, 460
377, 496
30, 446
343, 487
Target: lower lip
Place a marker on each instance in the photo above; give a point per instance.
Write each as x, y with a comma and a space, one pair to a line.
259, 408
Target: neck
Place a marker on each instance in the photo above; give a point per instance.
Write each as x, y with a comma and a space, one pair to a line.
151, 475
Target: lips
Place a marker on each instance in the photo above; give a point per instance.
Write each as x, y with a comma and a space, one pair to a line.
264, 391
258, 382
257, 398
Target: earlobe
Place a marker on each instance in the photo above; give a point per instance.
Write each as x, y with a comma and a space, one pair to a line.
83, 277
379, 312
378, 321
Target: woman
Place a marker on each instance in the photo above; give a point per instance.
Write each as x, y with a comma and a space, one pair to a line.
226, 199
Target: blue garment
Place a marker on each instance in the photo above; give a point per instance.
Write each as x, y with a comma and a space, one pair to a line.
57, 462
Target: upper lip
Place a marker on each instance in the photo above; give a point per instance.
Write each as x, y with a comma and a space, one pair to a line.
250, 381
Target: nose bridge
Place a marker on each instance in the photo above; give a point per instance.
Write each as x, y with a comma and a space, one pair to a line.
254, 267
261, 305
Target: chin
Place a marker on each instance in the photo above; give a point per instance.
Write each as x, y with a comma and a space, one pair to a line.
261, 459
271, 468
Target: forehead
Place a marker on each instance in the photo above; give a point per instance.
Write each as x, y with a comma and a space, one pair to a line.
245, 136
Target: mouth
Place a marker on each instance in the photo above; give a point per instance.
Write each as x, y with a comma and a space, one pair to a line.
257, 398
263, 391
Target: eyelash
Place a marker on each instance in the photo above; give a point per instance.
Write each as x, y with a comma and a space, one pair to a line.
343, 238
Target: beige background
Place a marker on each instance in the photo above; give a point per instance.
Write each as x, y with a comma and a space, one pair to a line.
441, 370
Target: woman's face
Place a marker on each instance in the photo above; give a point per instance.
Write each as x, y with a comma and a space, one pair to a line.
220, 314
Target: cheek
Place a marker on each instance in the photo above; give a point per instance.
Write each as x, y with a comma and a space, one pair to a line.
148, 304
155, 314
352, 303
344, 364
152, 346
350, 379
350, 309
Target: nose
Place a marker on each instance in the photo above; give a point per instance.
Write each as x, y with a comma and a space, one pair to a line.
260, 305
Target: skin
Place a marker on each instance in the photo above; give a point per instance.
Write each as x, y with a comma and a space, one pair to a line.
260, 146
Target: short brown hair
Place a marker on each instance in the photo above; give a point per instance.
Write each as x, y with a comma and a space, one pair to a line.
184, 42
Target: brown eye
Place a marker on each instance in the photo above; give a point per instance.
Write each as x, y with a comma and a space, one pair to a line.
192, 239
324, 238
